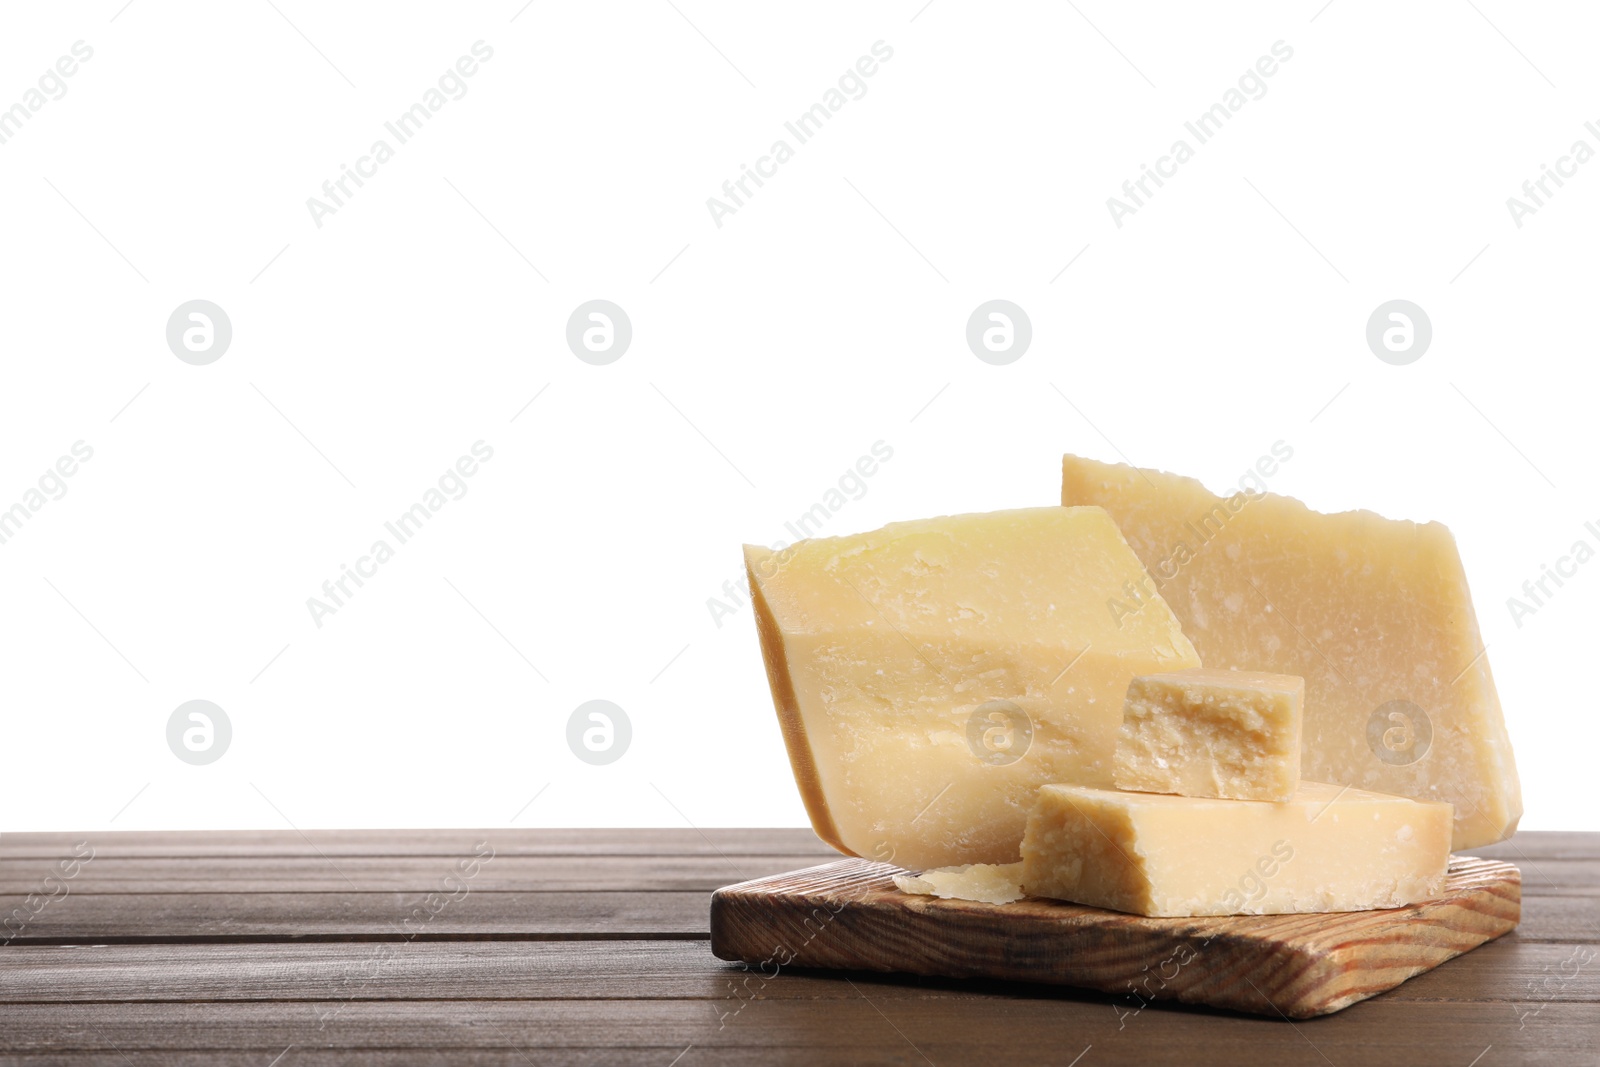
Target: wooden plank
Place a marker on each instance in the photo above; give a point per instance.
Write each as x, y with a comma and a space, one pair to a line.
1527, 845
443, 843
192, 917
1378, 1033
1542, 844
223, 917
314, 874
850, 915
301, 1056
633, 970
265, 970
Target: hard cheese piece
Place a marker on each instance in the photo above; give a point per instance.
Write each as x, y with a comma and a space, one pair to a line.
989, 882
1373, 613
1212, 733
1331, 848
930, 676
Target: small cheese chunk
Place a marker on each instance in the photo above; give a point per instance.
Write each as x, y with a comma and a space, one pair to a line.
932, 675
1373, 613
1211, 733
1331, 848
992, 883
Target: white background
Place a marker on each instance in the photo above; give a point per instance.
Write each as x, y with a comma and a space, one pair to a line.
768, 354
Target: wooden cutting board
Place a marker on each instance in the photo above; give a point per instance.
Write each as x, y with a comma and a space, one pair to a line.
849, 915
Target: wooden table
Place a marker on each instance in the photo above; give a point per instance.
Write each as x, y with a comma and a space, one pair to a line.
523, 947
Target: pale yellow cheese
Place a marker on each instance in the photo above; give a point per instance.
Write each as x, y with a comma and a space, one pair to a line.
1373, 613
1332, 848
931, 675
1211, 733
991, 883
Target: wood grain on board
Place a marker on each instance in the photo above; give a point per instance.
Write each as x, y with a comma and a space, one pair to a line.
849, 915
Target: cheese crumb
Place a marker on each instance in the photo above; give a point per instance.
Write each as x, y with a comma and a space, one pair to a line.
990, 883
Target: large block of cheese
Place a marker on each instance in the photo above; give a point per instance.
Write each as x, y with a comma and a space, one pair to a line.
1211, 733
1329, 849
931, 675
1373, 613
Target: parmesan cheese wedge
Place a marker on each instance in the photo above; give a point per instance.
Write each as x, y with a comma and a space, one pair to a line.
931, 676
1373, 613
1331, 848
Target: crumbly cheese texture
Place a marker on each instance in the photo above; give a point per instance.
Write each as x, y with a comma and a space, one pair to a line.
931, 675
1373, 613
1212, 733
990, 883
1331, 848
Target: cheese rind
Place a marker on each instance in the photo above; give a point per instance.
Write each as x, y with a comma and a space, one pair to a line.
931, 675
1211, 733
1373, 613
1331, 848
